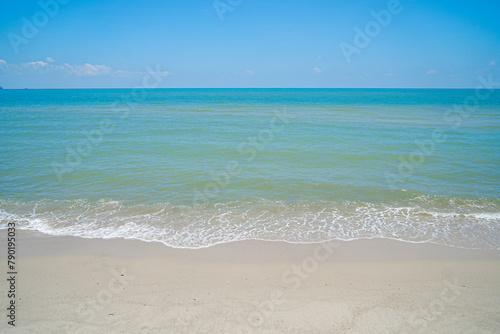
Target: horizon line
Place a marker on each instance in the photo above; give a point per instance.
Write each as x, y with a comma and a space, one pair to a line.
159, 88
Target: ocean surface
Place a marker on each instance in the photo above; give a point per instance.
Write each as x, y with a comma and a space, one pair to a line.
196, 167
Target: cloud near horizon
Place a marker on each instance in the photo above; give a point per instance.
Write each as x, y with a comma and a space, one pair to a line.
88, 69
85, 70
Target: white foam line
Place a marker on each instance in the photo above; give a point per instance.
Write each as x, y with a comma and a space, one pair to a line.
299, 224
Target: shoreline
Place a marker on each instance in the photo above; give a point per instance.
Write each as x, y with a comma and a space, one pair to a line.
75, 285
37, 244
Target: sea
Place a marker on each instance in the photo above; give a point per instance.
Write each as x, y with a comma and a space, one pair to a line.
192, 168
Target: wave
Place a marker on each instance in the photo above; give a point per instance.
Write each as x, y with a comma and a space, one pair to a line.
467, 223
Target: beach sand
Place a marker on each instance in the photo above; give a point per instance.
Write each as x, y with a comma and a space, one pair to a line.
74, 285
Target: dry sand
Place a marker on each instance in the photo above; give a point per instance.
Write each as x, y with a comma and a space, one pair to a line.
75, 285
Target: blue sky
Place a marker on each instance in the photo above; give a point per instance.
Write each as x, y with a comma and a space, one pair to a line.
248, 43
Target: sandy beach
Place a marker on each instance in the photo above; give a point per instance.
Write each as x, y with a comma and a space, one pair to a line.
74, 285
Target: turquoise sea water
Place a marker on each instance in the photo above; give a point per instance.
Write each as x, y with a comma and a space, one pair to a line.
196, 167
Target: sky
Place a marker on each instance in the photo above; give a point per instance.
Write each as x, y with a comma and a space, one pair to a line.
249, 43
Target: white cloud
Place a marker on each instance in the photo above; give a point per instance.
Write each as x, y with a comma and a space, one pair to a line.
165, 73
492, 63
431, 71
88, 69
317, 70
35, 65
320, 57
49, 60
78, 70
249, 72
121, 73
389, 74
9, 67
